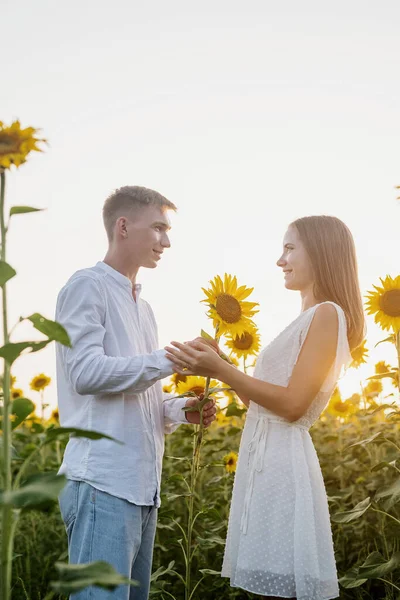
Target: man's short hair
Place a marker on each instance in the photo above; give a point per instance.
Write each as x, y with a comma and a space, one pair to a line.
128, 199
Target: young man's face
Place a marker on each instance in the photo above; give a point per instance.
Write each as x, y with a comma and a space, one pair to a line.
146, 236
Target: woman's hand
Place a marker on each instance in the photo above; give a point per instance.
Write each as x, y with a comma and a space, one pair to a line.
194, 358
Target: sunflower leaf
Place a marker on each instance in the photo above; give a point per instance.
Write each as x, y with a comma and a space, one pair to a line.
56, 432
36, 493
366, 440
19, 210
52, 329
391, 374
10, 352
207, 336
21, 408
355, 513
73, 578
391, 338
376, 566
6, 272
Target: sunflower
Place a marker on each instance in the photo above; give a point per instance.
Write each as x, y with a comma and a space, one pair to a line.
12, 380
359, 355
16, 393
230, 461
16, 144
39, 382
177, 378
246, 344
373, 387
167, 389
195, 384
382, 367
54, 417
227, 308
338, 407
385, 303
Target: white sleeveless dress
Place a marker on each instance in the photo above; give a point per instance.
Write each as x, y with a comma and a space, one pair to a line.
279, 539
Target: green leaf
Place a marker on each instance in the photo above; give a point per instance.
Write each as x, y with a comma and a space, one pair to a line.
234, 410
209, 572
21, 408
19, 210
161, 570
73, 578
53, 330
37, 492
56, 432
391, 338
392, 491
6, 272
391, 374
377, 566
353, 514
366, 440
351, 579
10, 352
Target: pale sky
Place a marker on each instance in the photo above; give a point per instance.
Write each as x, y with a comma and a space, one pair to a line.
245, 115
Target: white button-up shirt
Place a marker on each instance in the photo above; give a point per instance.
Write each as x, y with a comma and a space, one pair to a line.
109, 381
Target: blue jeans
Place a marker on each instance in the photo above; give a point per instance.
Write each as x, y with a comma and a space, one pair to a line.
102, 527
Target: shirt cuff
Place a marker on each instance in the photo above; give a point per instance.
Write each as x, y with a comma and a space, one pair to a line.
173, 410
164, 364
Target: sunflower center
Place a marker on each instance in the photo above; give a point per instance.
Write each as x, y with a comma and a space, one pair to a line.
39, 382
197, 389
340, 407
228, 308
9, 143
231, 461
244, 341
389, 302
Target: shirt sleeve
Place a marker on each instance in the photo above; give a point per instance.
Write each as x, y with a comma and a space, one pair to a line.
81, 310
173, 413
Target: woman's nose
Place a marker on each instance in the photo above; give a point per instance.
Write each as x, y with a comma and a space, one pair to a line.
281, 262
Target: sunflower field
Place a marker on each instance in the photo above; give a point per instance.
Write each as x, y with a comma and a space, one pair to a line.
356, 438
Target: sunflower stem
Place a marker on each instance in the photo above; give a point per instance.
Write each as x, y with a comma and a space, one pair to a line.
8, 518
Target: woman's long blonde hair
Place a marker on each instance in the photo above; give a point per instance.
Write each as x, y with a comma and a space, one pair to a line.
330, 247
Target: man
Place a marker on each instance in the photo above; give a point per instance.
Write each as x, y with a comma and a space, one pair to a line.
109, 381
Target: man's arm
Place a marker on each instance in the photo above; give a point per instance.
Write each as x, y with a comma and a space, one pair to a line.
81, 310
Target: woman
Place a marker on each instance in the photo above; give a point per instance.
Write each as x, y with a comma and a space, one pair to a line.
279, 540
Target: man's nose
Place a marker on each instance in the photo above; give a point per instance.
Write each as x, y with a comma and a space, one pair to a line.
165, 242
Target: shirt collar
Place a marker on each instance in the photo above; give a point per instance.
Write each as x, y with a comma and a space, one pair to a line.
121, 279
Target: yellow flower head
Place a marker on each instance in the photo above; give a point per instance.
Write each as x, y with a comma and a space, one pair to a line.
230, 461
54, 417
227, 307
177, 378
339, 408
39, 382
167, 389
359, 355
246, 344
16, 393
384, 303
12, 380
382, 367
373, 387
194, 384
16, 144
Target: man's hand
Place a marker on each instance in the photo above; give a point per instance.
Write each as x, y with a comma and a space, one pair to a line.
209, 412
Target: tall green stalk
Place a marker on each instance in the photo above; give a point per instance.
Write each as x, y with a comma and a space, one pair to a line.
7, 512
194, 472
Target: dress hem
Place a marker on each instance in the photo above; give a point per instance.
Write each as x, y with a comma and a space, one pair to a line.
273, 595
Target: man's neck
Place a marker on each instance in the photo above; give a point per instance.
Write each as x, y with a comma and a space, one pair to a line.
120, 265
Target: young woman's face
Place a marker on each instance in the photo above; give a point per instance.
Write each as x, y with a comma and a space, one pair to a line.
295, 262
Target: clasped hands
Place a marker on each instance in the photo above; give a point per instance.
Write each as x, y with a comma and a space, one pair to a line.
197, 357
